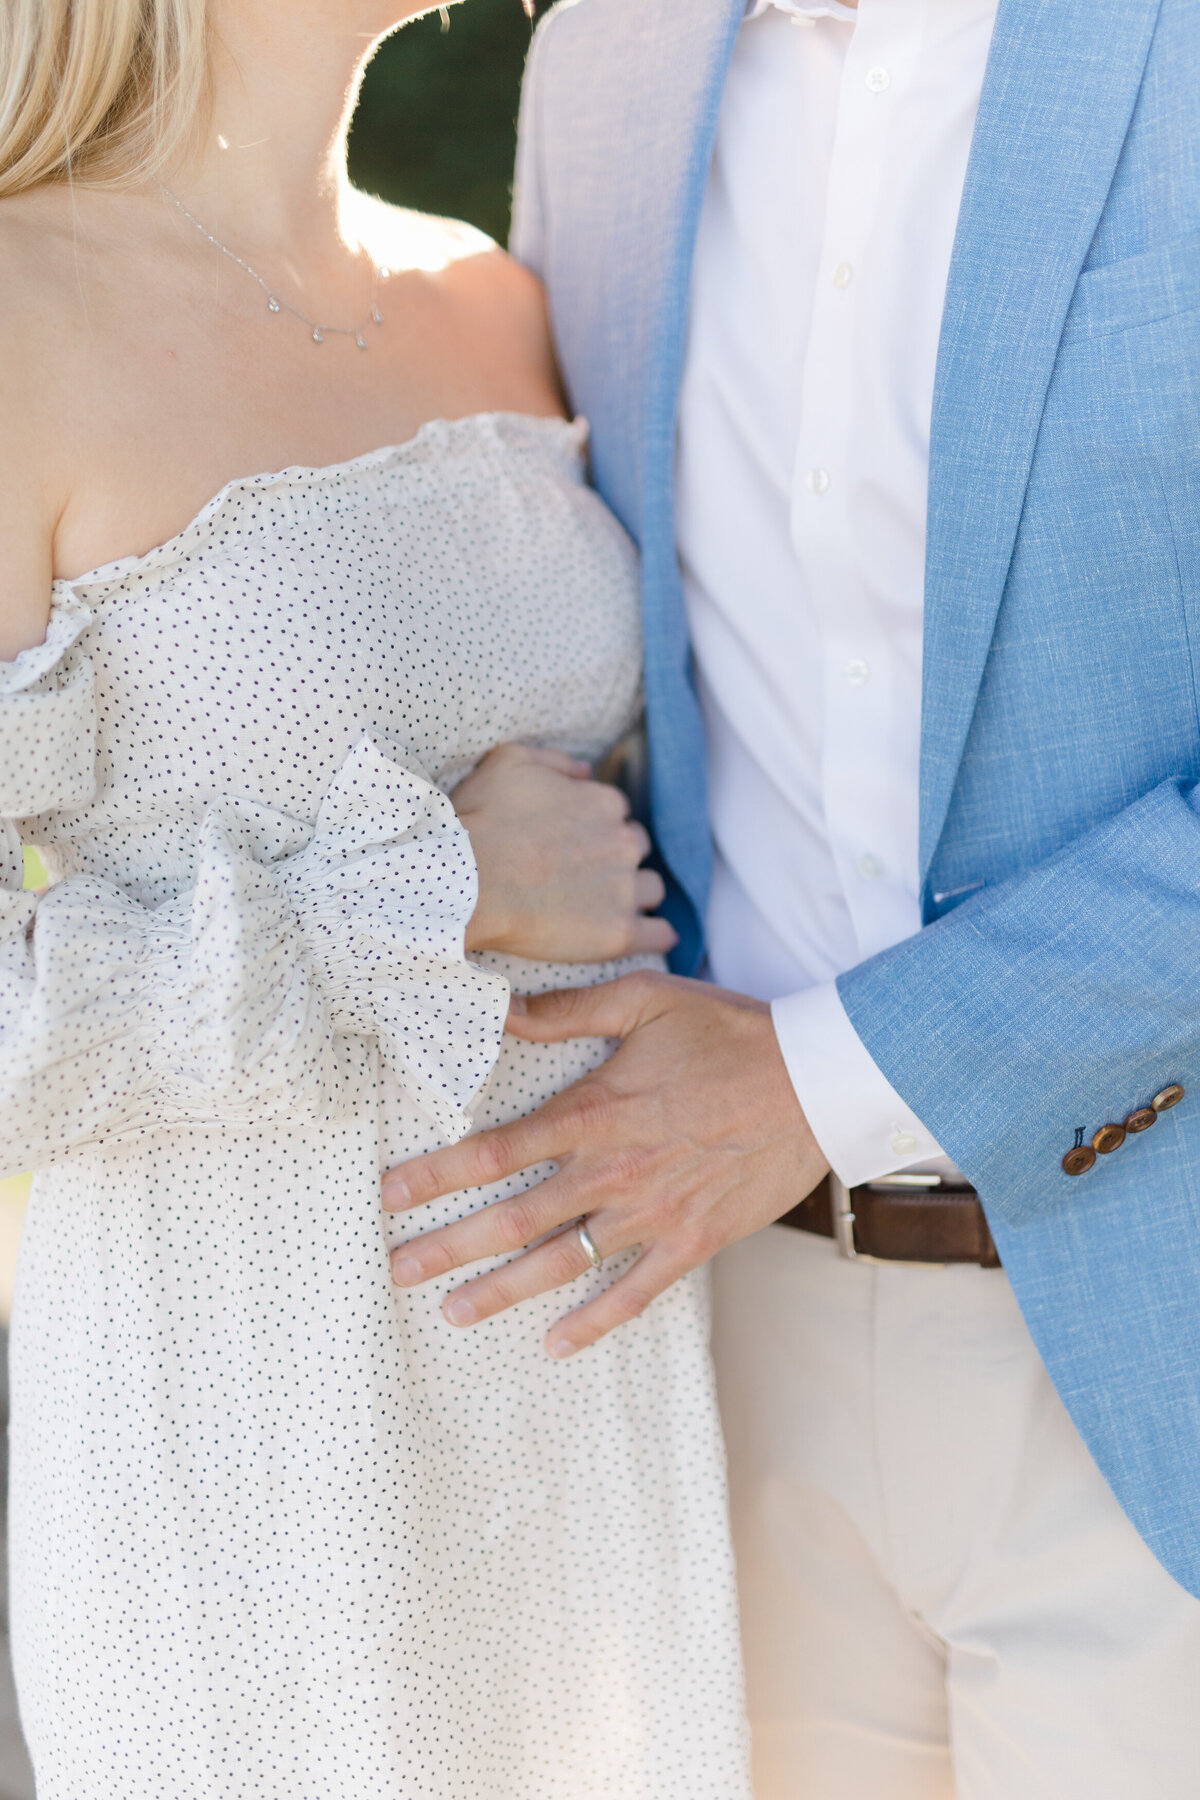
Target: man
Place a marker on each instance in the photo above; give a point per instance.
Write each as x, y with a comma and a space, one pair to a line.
887, 324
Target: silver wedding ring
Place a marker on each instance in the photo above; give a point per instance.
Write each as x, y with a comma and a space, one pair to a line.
586, 1245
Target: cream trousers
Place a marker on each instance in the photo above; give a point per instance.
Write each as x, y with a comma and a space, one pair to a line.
941, 1598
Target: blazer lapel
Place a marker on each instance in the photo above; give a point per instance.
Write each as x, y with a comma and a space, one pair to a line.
632, 175
1061, 83
709, 31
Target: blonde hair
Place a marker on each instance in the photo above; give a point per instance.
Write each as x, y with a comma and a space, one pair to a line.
97, 91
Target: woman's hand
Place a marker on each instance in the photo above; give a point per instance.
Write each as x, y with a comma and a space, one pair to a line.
558, 857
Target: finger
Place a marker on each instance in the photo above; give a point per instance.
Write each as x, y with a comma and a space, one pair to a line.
573, 766
651, 1275
639, 840
559, 1260
497, 1230
612, 1009
610, 802
649, 890
652, 937
477, 1161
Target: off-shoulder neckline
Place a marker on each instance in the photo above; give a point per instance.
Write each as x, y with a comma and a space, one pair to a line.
574, 432
69, 619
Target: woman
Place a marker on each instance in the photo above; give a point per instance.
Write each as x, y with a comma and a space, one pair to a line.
278, 1528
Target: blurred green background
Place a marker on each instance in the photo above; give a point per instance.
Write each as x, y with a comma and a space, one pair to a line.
436, 126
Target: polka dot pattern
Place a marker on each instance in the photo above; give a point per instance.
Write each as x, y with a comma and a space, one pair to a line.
277, 1529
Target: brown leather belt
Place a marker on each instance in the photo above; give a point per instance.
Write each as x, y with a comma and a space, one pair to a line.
902, 1218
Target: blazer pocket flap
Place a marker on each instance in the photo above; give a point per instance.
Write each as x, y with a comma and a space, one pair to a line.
1137, 290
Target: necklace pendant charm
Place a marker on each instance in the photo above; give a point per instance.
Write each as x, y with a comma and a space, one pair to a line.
274, 303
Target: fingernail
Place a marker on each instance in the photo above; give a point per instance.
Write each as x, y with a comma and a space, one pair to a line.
395, 1196
406, 1271
560, 1347
516, 1003
459, 1310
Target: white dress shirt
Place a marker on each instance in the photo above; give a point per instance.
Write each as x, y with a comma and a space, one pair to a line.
819, 280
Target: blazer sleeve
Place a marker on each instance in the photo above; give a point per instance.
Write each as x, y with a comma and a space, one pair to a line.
526, 239
230, 1003
1053, 1003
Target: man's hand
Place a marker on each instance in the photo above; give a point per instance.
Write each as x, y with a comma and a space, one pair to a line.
687, 1139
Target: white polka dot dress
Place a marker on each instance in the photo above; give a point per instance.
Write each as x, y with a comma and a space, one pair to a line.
277, 1529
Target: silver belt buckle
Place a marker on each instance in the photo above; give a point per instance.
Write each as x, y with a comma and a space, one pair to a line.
841, 1206
843, 1218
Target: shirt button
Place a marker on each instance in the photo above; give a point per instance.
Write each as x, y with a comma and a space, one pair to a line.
877, 80
903, 1143
870, 867
1170, 1096
843, 275
857, 671
818, 480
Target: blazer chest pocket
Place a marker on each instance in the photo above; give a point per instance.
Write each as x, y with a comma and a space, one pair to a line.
1137, 290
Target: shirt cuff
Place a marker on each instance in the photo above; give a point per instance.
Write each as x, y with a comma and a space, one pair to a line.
863, 1126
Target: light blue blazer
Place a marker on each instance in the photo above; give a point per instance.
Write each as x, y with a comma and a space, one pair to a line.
1056, 983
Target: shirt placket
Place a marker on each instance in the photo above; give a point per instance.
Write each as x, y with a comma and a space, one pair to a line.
857, 668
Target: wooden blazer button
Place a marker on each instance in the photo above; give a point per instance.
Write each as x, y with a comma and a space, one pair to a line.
1170, 1096
1108, 1139
1142, 1119
1079, 1160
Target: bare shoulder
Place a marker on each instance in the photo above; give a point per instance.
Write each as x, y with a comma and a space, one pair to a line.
501, 304
42, 243
495, 302
33, 271
34, 316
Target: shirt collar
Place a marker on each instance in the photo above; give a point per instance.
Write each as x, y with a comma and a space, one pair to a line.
802, 9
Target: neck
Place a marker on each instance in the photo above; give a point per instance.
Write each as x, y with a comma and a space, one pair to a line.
269, 170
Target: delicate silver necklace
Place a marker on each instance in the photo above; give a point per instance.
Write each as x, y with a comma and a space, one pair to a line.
275, 304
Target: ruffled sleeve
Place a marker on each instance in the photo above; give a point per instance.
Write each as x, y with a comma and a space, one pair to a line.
233, 1002
385, 891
